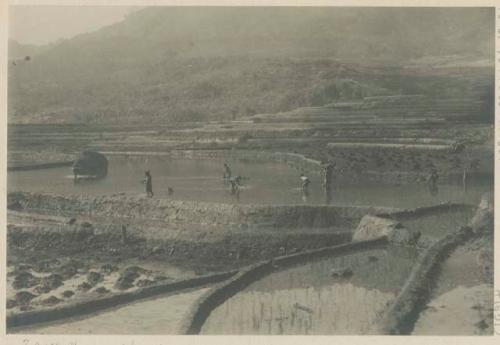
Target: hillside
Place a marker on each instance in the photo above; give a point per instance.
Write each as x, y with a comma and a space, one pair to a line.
190, 64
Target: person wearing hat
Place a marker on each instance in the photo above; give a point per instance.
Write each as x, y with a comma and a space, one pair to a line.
305, 181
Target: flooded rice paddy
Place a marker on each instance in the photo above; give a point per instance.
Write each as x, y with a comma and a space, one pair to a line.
263, 182
439, 225
342, 295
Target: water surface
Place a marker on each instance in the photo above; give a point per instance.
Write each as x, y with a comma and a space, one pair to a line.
309, 299
439, 225
200, 179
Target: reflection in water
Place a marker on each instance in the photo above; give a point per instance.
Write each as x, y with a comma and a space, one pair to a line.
312, 299
201, 180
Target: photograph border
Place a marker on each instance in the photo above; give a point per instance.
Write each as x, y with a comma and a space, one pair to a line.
27, 339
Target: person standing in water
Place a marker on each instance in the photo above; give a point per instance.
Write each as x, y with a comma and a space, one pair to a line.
432, 181
327, 182
467, 172
235, 186
227, 172
148, 181
305, 186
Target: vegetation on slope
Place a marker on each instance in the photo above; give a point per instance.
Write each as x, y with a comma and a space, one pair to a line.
193, 64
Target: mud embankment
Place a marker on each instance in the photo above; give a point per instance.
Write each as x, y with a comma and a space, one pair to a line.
215, 297
210, 215
46, 230
201, 254
27, 167
426, 211
401, 316
411, 163
91, 306
203, 236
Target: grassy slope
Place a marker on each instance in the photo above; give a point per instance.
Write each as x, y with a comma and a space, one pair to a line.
175, 64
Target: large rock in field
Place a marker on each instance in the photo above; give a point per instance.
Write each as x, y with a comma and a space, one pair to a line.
91, 163
372, 227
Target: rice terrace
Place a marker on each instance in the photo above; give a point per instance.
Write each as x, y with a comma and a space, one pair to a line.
232, 170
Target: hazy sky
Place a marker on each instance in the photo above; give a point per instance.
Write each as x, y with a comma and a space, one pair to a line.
45, 24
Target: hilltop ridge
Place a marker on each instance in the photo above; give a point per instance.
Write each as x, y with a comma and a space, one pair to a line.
174, 64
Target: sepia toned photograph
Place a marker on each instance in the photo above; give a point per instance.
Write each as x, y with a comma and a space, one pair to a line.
229, 170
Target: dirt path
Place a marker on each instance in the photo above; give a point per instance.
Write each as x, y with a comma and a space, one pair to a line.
460, 269
155, 316
461, 311
463, 297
